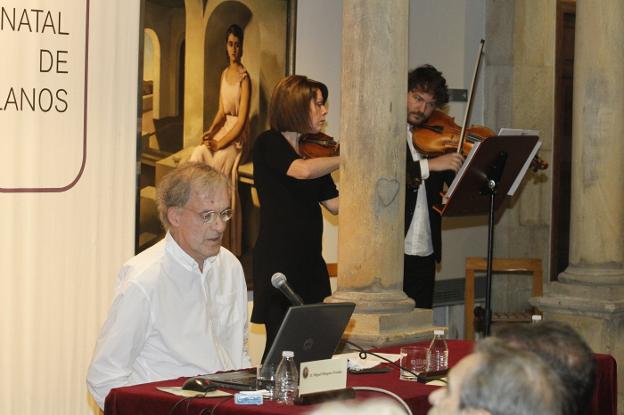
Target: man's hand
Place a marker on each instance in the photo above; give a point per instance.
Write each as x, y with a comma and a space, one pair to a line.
450, 161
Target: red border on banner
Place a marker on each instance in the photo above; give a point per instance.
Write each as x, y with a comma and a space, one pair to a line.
84, 138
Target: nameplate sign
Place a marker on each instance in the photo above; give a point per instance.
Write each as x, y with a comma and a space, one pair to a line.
322, 375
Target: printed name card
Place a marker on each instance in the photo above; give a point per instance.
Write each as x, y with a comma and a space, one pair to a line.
322, 375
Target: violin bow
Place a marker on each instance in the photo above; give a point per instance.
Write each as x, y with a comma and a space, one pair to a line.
470, 98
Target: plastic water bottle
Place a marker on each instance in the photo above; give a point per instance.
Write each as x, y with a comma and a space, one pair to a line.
287, 379
438, 352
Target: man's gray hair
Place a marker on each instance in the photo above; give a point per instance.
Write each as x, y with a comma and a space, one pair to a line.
565, 351
509, 381
175, 188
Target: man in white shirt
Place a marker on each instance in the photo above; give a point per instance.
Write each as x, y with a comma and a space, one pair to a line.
181, 305
425, 179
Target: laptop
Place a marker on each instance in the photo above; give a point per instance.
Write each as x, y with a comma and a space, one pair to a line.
312, 331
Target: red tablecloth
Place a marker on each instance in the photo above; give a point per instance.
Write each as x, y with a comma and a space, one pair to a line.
146, 399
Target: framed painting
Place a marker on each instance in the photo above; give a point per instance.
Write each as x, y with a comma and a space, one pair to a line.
183, 58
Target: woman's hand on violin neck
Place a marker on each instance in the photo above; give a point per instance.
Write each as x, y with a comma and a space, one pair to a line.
449, 161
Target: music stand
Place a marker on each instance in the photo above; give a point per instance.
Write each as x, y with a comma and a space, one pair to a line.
481, 184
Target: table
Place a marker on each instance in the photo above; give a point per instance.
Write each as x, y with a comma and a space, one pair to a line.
145, 399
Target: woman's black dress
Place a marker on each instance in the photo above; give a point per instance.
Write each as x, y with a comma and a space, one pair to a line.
290, 236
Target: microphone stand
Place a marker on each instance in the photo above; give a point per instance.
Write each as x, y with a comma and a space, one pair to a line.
493, 178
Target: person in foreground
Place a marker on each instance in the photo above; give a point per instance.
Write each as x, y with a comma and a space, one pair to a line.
425, 179
181, 305
291, 190
565, 351
499, 380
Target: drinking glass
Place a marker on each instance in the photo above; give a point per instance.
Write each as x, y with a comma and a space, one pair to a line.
265, 379
413, 358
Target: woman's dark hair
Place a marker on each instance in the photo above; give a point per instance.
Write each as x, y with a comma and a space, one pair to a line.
289, 109
428, 79
236, 31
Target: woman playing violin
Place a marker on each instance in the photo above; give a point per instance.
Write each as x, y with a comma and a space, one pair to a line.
291, 190
427, 90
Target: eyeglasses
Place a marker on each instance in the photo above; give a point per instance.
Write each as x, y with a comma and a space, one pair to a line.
208, 217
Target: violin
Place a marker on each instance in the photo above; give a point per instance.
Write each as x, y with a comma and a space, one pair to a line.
315, 145
440, 135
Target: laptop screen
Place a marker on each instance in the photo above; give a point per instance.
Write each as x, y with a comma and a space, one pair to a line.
311, 331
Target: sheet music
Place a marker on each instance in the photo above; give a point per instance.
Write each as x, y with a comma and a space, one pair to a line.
517, 131
524, 169
460, 173
519, 177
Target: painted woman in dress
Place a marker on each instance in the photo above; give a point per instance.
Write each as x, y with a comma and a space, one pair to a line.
223, 142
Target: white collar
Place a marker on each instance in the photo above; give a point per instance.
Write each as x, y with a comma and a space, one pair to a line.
184, 259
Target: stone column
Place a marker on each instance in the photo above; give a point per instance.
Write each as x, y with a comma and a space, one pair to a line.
590, 293
194, 73
597, 222
372, 174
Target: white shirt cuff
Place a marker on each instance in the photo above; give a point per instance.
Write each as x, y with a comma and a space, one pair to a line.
424, 169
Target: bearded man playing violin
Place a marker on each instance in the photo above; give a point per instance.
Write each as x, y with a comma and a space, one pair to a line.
425, 178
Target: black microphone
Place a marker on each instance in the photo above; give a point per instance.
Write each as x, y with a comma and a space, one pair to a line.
279, 281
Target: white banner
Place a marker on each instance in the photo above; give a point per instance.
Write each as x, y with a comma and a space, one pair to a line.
43, 80
68, 139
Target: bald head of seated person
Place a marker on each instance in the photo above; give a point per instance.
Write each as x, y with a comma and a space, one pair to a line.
499, 380
563, 349
180, 307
